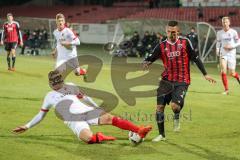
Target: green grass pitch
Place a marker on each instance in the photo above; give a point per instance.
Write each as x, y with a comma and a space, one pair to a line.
209, 128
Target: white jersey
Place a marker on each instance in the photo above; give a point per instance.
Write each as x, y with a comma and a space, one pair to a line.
67, 92
229, 37
64, 54
80, 104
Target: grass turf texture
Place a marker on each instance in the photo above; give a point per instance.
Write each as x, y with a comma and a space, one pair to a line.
209, 128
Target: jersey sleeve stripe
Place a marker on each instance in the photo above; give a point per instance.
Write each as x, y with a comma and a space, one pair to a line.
44, 110
73, 33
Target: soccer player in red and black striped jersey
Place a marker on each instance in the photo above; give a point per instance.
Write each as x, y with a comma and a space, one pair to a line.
11, 35
175, 53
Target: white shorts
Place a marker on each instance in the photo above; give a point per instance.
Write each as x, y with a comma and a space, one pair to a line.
67, 65
231, 60
78, 126
89, 116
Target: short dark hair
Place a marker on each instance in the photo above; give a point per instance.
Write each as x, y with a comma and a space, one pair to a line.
172, 23
55, 77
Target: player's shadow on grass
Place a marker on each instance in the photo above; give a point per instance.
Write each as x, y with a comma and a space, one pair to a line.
50, 138
20, 98
108, 150
118, 149
208, 154
205, 92
23, 74
233, 134
214, 154
213, 93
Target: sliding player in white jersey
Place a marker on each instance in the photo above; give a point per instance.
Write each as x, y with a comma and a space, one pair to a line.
65, 49
227, 41
91, 114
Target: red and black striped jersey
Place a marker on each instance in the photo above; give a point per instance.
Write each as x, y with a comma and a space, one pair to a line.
11, 32
176, 57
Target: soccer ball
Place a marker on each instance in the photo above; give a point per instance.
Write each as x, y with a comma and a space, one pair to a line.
134, 138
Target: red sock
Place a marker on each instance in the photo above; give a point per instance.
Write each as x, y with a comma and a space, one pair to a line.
225, 81
236, 75
94, 139
124, 124
82, 71
99, 137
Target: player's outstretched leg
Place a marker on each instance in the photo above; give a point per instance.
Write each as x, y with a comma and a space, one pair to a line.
100, 137
87, 136
107, 118
160, 124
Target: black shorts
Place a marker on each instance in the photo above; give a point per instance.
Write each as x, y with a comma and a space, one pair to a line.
10, 45
177, 95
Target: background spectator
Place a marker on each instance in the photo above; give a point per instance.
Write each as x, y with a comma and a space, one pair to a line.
200, 11
193, 37
35, 40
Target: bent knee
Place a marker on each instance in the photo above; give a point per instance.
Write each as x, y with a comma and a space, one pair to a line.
85, 135
160, 108
175, 107
232, 74
106, 118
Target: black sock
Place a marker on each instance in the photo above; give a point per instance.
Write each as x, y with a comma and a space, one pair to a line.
176, 115
8, 62
13, 61
160, 122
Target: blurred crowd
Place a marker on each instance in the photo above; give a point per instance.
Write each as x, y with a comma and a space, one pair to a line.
141, 47
137, 46
34, 40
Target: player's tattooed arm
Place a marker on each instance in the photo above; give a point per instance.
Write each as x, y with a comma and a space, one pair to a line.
153, 56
